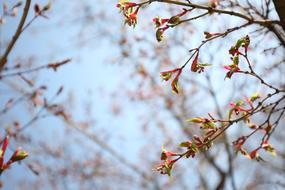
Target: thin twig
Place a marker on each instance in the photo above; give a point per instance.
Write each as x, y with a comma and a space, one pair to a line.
4, 57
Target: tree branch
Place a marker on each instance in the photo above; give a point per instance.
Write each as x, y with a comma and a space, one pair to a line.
220, 11
3, 58
280, 9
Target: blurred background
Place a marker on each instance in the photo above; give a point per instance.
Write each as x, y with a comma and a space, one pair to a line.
99, 122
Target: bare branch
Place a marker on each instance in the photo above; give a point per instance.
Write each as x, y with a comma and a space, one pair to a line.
3, 58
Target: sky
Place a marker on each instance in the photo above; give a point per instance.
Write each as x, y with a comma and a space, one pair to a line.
90, 78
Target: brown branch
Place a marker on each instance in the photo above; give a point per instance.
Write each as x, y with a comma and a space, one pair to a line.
3, 58
113, 152
270, 24
280, 9
53, 66
253, 73
260, 107
209, 158
227, 145
219, 11
224, 34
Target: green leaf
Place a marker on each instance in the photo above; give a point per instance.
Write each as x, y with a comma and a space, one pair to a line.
174, 20
231, 113
175, 86
236, 60
209, 125
254, 97
196, 120
186, 144
259, 158
269, 148
159, 34
166, 75
205, 64
239, 42
168, 168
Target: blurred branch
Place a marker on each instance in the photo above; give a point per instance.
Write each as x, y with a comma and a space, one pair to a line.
114, 154
12, 103
39, 115
53, 66
227, 145
3, 58
209, 158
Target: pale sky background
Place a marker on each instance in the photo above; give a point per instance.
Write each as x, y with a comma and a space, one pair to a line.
91, 76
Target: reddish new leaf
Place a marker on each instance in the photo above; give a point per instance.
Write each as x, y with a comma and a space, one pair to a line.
194, 66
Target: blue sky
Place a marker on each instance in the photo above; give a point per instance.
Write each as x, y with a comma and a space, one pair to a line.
95, 73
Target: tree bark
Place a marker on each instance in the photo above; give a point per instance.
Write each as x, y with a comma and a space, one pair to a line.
280, 9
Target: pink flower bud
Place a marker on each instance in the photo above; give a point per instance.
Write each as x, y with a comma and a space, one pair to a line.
19, 155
